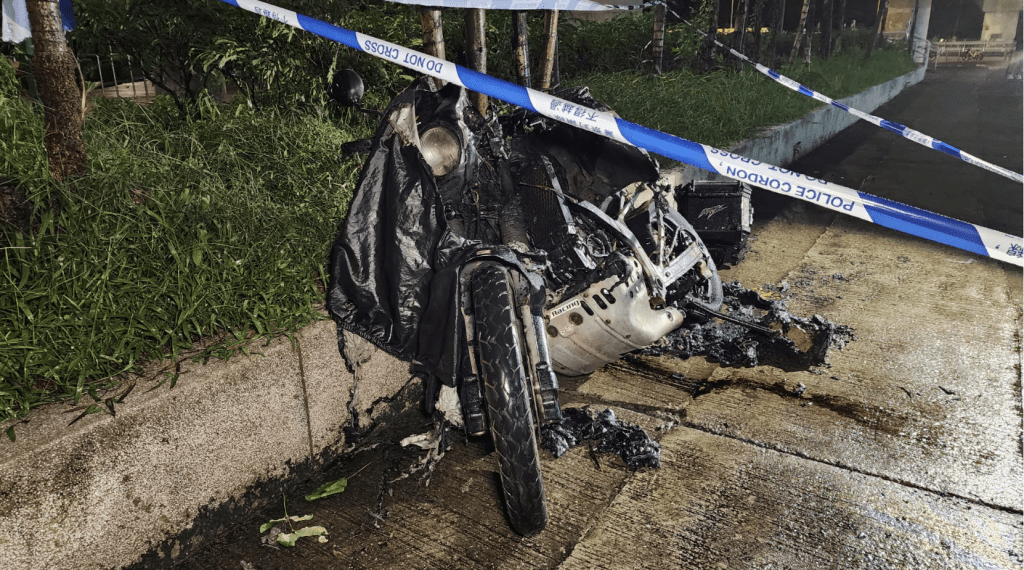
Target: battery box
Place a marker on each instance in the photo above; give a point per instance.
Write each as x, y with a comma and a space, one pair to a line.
721, 214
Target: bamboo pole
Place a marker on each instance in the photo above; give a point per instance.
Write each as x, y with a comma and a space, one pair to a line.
825, 48
842, 26
706, 52
550, 49
476, 49
556, 78
799, 31
743, 28
879, 27
521, 48
659, 37
780, 17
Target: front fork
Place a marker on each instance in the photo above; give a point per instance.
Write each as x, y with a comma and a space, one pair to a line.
539, 371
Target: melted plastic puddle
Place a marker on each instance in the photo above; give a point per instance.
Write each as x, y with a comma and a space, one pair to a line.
803, 343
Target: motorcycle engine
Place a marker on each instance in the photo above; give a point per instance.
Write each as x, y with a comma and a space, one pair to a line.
599, 305
618, 252
608, 319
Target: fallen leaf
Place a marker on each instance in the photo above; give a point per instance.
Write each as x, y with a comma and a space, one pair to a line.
266, 526
289, 538
327, 489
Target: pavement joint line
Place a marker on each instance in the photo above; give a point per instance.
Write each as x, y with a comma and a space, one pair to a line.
297, 344
850, 468
594, 521
656, 412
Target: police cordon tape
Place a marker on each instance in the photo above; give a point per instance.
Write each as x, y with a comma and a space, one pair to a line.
569, 5
897, 128
907, 219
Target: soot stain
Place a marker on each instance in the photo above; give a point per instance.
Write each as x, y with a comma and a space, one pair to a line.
878, 419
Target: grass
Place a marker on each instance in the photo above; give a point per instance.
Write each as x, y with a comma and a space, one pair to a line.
180, 230
220, 225
725, 107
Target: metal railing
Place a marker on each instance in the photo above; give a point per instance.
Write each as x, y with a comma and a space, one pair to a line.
967, 51
113, 74
922, 51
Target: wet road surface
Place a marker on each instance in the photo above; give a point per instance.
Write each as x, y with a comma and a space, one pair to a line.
905, 453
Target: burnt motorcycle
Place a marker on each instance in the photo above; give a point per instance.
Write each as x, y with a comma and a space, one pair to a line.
496, 252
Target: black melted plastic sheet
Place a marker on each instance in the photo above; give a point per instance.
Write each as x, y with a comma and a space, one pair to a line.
380, 263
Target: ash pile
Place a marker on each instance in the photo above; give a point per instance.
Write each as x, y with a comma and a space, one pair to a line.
779, 338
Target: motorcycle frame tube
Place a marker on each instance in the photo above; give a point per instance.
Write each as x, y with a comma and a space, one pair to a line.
894, 215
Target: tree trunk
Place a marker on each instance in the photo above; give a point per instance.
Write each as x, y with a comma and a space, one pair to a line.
476, 49
54, 67
433, 35
825, 48
799, 31
879, 23
659, 37
521, 47
547, 68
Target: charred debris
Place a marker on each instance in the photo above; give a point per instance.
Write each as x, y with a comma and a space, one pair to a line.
776, 338
772, 336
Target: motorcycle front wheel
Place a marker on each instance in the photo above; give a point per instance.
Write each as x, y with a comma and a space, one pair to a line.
500, 350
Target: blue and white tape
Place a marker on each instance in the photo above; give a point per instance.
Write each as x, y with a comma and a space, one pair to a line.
897, 128
587, 5
901, 217
574, 5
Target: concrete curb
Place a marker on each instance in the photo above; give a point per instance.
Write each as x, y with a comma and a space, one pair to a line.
783, 144
108, 492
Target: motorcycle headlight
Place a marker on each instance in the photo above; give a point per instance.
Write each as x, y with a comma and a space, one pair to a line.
441, 149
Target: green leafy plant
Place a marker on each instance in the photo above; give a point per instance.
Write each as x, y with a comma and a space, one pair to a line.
22, 154
289, 538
